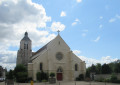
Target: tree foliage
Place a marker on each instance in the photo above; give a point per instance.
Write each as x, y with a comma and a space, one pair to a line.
106, 69
113, 67
10, 74
52, 74
42, 76
20, 73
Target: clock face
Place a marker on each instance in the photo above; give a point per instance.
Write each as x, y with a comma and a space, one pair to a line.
59, 56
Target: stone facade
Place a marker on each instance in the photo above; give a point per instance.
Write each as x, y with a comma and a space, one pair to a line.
56, 57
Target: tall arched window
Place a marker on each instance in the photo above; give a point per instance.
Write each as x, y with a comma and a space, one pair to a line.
41, 66
76, 67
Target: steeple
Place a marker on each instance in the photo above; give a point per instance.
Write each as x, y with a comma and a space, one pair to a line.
26, 34
26, 38
58, 32
25, 50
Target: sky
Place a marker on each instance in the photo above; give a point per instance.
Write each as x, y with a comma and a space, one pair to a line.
91, 28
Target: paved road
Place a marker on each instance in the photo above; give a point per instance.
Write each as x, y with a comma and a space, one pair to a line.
65, 83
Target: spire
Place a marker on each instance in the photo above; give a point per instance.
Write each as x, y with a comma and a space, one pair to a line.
26, 34
58, 32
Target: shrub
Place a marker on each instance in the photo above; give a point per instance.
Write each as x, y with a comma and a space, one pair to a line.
80, 77
52, 74
113, 78
44, 80
42, 76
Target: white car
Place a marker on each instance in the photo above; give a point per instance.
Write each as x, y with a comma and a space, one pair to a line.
2, 79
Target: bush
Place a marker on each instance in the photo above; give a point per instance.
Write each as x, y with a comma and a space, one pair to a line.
42, 76
101, 79
107, 79
44, 80
80, 77
22, 77
52, 75
113, 78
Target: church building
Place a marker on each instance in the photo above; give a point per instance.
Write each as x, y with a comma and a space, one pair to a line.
56, 56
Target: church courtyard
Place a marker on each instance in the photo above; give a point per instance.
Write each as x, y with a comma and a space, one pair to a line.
66, 83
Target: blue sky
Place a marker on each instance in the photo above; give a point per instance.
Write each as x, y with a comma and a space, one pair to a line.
91, 28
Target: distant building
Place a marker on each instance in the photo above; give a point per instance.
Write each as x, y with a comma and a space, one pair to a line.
55, 56
2, 72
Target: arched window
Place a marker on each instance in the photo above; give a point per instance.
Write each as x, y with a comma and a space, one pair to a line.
59, 70
25, 46
41, 66
76, 67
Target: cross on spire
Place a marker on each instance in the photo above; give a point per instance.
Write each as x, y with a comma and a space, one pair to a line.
58, 31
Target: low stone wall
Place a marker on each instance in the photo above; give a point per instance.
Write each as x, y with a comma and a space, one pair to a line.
98, 76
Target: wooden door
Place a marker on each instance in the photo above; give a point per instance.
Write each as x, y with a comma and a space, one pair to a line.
59, 76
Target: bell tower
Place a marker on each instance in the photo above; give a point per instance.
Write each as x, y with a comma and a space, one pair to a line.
25, 52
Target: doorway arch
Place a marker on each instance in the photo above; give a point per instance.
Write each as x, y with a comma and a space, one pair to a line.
59, 74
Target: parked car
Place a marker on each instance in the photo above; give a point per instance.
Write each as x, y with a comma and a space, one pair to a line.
2, 79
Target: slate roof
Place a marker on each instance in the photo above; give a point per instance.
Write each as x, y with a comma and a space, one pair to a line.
26, 38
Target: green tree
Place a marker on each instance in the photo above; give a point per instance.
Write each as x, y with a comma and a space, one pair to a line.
0, 73
117, 68
106, 69
88, 72
98, 68
20, 73
93, 68
10, 74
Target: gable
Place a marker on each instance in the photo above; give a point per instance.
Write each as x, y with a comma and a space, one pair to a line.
58, 41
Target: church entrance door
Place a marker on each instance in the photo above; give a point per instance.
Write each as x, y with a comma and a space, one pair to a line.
59, 76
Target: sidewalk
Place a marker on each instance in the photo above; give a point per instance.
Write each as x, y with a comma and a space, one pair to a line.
65, 83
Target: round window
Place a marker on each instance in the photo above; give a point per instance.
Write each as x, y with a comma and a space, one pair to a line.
59, 56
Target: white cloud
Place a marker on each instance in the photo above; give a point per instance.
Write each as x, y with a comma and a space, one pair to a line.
97, 39
83, 34
8, 59
76, 21
57, 26
85, 30
116, 17
90, 61
16, 17
63, 14
112, 20
79, 1
101, 17
77, 52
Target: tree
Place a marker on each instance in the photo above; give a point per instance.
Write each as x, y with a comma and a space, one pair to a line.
93, 68
20, 73
117, 68
106, 69
88, 72
10, 74
0, 73
98, 68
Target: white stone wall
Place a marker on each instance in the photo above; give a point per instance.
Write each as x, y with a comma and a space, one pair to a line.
51, 64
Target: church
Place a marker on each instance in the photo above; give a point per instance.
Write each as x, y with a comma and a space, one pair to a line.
56, 56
